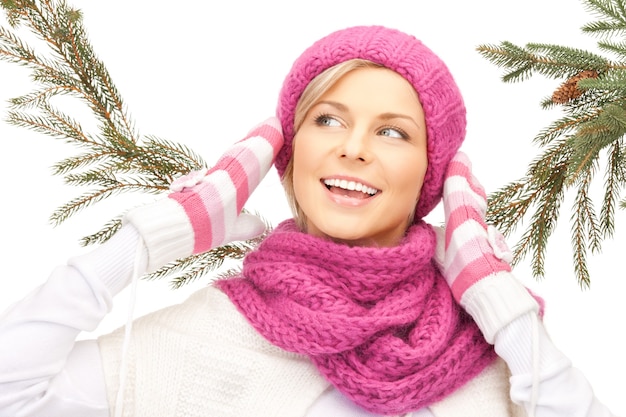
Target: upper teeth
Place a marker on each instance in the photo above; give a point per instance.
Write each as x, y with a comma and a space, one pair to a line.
350, 185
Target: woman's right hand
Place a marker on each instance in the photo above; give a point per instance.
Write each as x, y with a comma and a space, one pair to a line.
204, 209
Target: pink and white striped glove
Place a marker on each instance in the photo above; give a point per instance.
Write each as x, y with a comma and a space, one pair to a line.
474, 258
203, 211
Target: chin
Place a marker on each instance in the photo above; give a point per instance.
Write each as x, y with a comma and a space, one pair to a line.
335, 232
353, 239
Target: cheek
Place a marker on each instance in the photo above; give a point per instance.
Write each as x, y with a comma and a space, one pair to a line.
420, 175
308, 153
302, 166
297, 178
299, 162
411, 177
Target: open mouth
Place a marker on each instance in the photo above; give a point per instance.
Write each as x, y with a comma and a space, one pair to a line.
350, 189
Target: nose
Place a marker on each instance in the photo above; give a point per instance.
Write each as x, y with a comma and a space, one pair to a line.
355, 146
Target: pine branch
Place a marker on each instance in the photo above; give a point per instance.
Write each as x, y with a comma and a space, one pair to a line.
613, 15
104, 234
518, 60
563, 127
616, 48
68, 66
592, 138
592, 98
543, 221
113, 158
584, 228
551, 61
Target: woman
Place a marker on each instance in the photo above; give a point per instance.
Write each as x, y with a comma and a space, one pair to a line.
355, 307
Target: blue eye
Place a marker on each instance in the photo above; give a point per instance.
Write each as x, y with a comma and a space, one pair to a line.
326, 120
393, 133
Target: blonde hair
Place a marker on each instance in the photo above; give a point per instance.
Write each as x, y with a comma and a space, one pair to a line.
311, 94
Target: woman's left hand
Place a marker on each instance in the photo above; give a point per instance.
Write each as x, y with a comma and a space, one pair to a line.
472, 250
474, 258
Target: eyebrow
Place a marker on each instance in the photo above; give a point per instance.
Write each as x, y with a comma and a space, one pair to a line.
336, 104
384, 116
388, 116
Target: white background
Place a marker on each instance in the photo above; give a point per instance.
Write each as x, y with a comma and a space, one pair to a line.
203, 73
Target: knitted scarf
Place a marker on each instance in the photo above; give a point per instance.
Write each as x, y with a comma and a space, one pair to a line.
380, 324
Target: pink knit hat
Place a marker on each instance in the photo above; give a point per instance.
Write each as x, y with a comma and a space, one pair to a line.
438, 93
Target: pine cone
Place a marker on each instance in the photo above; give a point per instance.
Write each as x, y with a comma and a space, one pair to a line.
569, 89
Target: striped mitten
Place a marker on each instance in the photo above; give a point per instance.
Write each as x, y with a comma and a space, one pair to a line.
203, 211
474, 258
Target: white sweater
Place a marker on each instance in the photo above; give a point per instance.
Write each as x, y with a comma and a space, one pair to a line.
44, 372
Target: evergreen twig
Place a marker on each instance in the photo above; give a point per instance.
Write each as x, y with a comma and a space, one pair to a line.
114, 159
590, 134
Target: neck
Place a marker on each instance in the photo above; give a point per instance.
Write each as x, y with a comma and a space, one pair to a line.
383, 240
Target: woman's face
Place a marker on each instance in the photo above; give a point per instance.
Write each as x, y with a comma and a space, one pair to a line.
360, 159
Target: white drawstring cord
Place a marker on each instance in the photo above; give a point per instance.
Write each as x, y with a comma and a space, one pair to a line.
119, 400
534, 397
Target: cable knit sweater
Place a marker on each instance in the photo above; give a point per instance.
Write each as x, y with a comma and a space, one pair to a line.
216, 364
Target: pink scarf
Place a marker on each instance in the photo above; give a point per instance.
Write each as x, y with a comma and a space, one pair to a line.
379, 323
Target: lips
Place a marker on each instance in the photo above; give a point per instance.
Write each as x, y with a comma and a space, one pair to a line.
348, 188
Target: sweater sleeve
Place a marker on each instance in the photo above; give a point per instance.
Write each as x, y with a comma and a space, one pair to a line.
562, 390
43, 370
